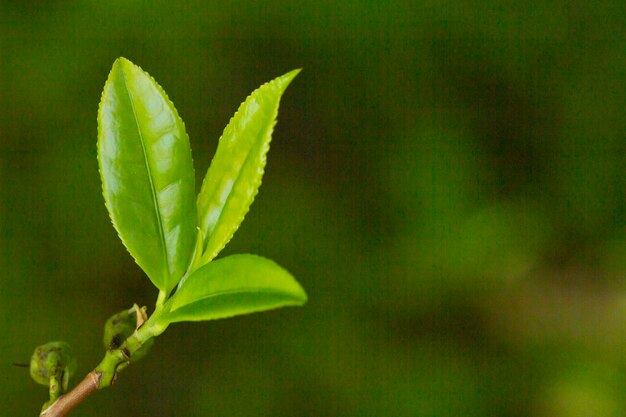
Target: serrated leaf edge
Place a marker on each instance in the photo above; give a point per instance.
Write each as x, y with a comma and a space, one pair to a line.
206, 256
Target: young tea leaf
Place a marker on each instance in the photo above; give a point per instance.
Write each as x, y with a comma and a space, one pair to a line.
231, 286
234, 176
147, 173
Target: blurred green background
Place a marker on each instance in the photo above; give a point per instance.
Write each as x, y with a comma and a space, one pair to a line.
447, 180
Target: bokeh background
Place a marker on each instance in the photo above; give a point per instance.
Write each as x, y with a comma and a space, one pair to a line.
447, 180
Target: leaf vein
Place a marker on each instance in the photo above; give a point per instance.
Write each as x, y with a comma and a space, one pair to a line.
153, 191
239, 291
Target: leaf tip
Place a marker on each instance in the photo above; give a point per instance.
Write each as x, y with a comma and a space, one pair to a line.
286, 79
121, 61
302, 298
126, 67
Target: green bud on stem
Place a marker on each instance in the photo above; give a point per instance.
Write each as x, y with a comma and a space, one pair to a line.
53, 365
121, 326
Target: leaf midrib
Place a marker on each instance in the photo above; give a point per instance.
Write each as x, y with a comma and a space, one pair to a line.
242, 290
155, 201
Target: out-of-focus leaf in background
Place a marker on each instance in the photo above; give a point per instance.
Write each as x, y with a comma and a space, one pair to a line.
446, 180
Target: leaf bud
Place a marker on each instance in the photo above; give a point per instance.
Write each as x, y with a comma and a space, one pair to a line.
53, 363
121, 326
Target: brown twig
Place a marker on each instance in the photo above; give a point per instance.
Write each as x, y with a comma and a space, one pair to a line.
66, 402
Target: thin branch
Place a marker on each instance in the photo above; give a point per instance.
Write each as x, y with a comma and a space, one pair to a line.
66, 402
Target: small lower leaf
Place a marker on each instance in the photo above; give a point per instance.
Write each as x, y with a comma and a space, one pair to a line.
235, 285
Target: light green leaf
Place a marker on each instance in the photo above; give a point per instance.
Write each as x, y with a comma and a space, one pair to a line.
147, 173
234, 177
231, 286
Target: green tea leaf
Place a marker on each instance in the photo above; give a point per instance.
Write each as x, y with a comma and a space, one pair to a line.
234, 177
238, 284
147, 173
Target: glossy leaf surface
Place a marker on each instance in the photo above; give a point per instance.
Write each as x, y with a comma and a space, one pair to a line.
235, 285
234, 177
147, 173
